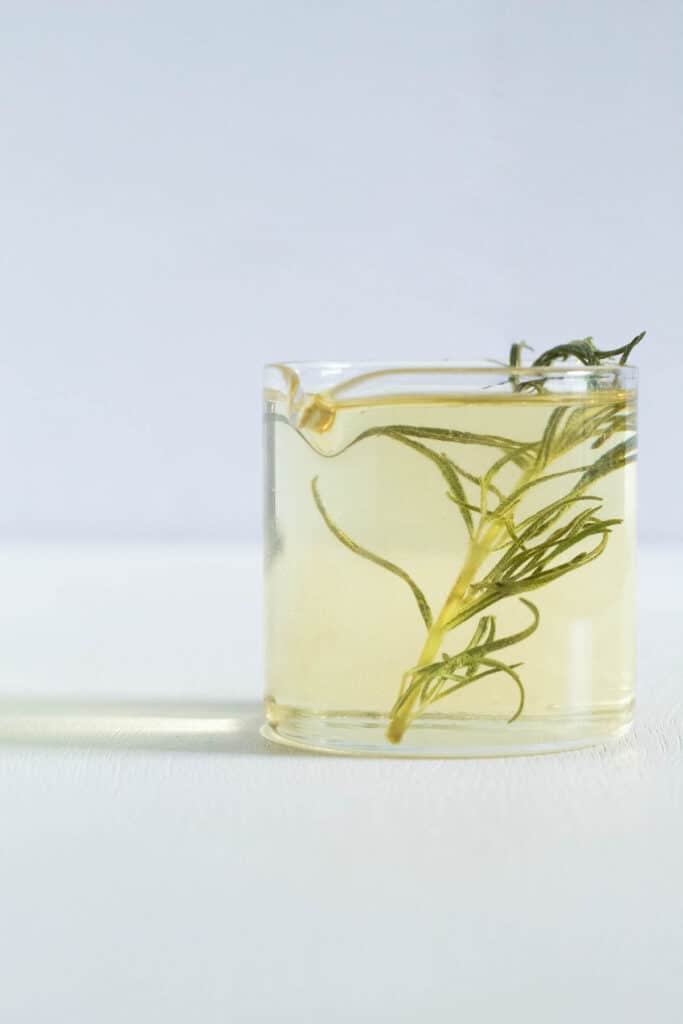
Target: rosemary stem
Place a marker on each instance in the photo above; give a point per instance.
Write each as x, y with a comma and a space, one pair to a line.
480, 548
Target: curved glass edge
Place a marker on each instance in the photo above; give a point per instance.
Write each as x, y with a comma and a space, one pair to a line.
304, 387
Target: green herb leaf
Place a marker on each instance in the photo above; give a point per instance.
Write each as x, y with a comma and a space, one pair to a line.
343, 538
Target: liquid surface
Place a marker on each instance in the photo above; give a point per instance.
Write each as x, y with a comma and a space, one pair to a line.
345, 635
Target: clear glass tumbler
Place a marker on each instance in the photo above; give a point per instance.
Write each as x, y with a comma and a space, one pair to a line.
450, 557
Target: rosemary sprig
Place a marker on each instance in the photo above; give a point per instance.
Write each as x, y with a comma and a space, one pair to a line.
586, 352
583, 350
534, 551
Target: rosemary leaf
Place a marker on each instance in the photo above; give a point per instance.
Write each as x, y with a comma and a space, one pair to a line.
422, 603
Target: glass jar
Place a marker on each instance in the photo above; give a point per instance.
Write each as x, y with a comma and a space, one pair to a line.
449, 557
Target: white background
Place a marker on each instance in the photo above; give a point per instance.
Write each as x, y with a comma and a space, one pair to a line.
189, 190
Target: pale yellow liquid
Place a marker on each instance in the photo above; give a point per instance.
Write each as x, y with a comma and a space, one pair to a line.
341, 632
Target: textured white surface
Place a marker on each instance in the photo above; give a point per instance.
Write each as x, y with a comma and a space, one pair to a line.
156, 871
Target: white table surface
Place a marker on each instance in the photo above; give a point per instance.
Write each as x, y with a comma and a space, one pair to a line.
156, 867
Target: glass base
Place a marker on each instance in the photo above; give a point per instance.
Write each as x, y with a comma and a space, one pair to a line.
364, 734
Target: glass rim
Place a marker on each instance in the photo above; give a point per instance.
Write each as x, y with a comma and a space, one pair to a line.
464, 368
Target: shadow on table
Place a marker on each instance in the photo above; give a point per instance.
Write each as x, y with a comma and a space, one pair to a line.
231, 727
227, 727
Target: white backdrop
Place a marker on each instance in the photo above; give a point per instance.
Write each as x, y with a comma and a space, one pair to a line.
189, 190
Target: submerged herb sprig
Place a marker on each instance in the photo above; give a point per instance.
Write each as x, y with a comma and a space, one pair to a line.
529, 551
